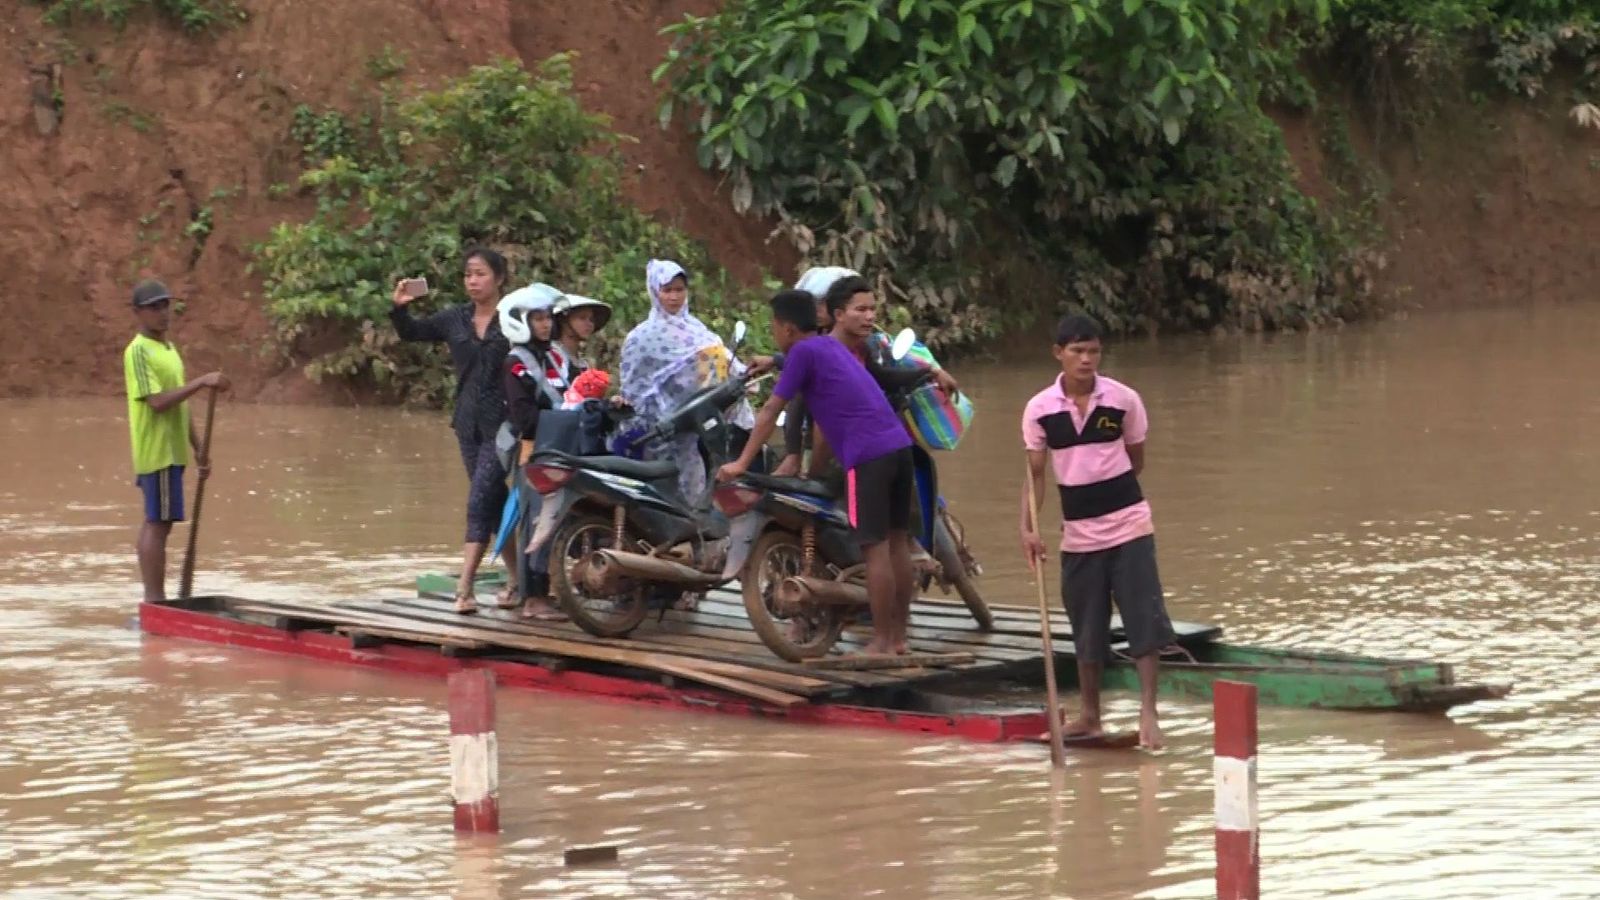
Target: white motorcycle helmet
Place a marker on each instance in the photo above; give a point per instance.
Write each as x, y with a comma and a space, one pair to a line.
515, 306
818, 279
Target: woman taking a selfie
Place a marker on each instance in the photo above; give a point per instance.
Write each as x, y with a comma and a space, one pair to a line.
477, 350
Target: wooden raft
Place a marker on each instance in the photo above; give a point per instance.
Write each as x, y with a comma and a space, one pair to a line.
713, 646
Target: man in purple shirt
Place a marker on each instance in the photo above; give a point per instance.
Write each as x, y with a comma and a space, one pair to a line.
871, 445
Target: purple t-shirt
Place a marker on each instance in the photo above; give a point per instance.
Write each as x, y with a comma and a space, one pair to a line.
843, 399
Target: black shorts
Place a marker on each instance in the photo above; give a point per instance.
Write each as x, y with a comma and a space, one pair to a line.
1127, 575
879, 496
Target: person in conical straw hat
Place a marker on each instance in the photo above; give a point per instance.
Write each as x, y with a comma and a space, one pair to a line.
577, 319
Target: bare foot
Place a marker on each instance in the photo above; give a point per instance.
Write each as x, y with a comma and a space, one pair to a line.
876, 647
541, 609
1149, 730
902, 648
1082, 726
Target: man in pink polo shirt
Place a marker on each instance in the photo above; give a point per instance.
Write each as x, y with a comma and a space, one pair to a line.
1093, 428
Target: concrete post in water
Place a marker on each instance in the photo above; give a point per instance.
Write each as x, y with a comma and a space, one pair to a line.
1234, 749
474, 755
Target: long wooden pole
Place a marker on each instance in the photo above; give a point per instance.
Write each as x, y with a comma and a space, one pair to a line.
1052, 703
186, 580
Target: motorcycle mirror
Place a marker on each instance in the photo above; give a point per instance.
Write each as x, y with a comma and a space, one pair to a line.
739, 329
902, 344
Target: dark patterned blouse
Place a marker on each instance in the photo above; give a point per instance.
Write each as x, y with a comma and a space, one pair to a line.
480, 398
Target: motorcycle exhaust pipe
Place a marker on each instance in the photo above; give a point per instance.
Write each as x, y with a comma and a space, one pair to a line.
798, 591
607, 570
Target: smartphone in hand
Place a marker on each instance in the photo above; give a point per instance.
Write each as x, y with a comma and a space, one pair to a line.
416, 287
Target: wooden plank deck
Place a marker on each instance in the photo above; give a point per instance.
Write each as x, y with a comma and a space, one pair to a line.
718, 631
713, 645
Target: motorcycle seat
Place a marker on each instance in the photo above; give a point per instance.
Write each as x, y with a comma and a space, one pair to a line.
789, 485
653, 470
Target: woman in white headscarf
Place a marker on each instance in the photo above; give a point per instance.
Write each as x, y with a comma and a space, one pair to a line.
668, 357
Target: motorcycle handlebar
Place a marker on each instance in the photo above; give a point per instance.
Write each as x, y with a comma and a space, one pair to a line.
719, 398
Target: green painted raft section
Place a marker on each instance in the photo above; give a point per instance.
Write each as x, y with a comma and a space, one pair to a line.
1307, 678
1313, 679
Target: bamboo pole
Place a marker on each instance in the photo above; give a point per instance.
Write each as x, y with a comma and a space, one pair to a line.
186, 579
1053, 705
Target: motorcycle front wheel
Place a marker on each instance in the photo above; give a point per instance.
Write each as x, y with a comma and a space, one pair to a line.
615, 616
776, 556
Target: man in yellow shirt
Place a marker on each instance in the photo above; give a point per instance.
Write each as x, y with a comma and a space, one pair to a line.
159, 425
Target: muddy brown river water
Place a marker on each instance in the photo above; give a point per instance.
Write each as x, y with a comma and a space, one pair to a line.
1420, 487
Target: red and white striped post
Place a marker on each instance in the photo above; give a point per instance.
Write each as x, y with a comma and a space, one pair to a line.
1234, 749
474, 755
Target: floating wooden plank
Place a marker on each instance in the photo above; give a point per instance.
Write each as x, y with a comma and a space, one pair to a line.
776, 672
888, 661
1009, 619
416, 637
214, 624
590, 856
988, 651
324, 615
656, 662
739, 648
748, 652
962, 629
924, 637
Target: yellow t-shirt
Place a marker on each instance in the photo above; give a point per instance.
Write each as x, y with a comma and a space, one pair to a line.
159, 439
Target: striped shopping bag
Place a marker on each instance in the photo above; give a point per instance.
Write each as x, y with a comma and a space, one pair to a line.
936, 420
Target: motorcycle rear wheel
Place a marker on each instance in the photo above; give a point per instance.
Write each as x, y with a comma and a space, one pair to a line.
616, 616
778, 555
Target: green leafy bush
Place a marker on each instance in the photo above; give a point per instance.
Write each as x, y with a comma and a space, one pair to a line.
190, 15
501, 156
995, 159
328, 134
1386, 43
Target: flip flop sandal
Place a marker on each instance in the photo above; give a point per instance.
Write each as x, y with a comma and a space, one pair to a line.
507, 598
466, 605
528, 613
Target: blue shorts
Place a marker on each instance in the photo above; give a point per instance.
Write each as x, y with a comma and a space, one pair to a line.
163, 494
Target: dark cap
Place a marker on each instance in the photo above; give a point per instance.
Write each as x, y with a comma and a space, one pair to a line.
149, 292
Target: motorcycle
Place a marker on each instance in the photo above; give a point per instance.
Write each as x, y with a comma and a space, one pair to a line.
802, 578
620, 534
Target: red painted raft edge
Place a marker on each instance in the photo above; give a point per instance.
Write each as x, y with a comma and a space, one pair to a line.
171, 621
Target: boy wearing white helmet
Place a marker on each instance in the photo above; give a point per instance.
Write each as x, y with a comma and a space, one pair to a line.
816, 281
527, 322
